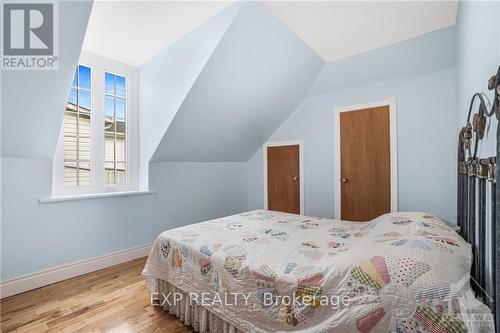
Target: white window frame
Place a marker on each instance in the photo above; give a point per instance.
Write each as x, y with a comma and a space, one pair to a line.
99, 65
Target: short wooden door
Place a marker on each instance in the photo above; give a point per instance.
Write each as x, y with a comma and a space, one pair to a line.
283, 172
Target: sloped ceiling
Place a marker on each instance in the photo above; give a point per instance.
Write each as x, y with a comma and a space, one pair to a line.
156, 25
229, 86
408, 57
166, 80
255, 78
334, 29
340, 29
33, 101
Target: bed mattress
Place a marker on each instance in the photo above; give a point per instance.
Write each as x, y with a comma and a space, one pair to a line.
265, 271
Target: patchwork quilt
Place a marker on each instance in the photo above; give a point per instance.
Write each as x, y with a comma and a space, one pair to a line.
265, 271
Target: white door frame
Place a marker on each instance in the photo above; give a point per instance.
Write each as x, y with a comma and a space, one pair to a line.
300, 143
391, 102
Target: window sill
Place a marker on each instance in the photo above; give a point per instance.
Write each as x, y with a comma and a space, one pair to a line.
93, 196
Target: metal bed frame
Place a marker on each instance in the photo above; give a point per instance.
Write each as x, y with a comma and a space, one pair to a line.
478, 198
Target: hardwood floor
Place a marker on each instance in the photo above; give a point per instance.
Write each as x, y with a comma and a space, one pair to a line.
110, 300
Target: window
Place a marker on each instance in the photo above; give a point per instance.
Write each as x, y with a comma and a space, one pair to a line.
77, 130
114, 129
95, 152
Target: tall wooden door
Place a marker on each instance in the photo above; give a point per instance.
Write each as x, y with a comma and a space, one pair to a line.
365, 164
283, 185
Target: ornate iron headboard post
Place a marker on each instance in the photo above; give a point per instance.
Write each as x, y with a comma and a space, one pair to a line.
490, 301
460, 161
496, 208
494, 84
481, 250
478, 198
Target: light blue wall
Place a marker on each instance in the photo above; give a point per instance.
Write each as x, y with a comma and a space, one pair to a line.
478, 57
32, 102
35, 236
254, 79
420, 74
38, 236
166, 80
429, 52
195, 192
426, 124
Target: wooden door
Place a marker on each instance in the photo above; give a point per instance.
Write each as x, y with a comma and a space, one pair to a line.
365, 164
283, 185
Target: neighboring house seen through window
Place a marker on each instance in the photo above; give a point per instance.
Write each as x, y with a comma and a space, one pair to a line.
77, 130
96, 150
115, 106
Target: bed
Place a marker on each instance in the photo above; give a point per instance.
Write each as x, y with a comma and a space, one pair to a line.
265, 271
403, 272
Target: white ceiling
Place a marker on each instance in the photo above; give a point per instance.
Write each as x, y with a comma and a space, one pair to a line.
339, 29
134, 32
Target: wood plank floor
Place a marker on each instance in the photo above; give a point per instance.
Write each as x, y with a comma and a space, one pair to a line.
110, 300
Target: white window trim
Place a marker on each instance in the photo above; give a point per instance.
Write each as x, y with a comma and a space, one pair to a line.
99, 65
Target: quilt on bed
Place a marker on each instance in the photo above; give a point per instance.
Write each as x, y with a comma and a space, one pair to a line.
265, 271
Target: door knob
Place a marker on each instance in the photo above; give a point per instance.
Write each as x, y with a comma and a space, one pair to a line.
295, 178
344, 180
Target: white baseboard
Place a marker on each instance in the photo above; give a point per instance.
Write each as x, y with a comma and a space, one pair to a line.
64, 272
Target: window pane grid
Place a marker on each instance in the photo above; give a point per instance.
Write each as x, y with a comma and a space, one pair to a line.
114, 133
77, 130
